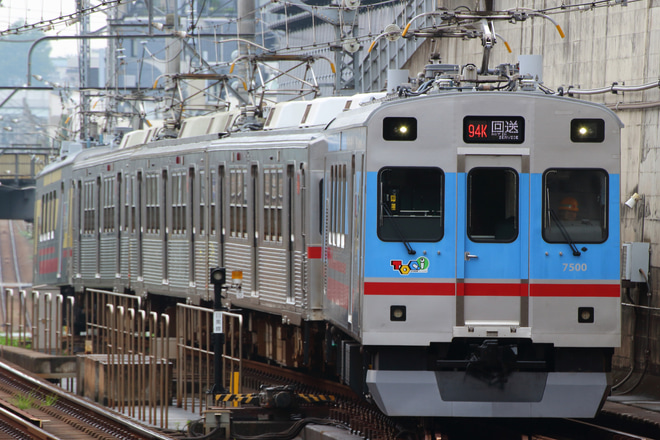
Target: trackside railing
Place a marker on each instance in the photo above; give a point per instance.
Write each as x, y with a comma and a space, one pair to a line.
131, 360
41, 321
136, 359
38, 320
195, 355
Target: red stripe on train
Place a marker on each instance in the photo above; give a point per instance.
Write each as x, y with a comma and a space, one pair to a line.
46, 251
493, 289
314, 252
576, 290
412, 288
48, 266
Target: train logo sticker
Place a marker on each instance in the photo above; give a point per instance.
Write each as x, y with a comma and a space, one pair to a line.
420, 265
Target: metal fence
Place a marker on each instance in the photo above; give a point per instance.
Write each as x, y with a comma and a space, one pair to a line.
135, 376
38, 320
130, 361
195, 355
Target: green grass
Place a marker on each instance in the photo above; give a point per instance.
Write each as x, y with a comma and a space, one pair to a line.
15, 342
31, 400
51, 399
23, 401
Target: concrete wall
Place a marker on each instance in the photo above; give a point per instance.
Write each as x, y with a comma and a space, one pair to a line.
602, 46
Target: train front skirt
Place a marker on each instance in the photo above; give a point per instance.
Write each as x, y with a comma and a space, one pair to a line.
457, 394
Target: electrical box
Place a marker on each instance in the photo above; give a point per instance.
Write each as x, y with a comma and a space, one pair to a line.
635, 257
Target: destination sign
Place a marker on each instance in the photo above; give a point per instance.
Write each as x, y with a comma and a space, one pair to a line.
493, 129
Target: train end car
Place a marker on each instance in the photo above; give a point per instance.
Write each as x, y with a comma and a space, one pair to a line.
53, 240
482, 277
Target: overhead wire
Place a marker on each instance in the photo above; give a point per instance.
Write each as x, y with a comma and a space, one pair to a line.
288, 47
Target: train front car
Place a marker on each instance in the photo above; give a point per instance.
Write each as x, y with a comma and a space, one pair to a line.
491, 259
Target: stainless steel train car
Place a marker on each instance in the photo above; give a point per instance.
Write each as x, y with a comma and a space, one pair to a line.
448, 251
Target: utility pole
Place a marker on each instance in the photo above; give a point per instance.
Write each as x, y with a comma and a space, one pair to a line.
83, 68
245, 12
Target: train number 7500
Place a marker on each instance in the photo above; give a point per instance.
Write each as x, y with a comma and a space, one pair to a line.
575, 267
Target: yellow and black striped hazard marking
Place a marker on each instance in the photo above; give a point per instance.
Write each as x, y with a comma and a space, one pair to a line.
238, 398
316, 398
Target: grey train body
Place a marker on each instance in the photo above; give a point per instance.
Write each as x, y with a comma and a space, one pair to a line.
373, 225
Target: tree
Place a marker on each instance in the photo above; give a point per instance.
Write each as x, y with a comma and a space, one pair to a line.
14, 55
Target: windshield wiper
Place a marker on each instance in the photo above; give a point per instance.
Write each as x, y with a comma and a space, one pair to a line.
564, 232
395, 223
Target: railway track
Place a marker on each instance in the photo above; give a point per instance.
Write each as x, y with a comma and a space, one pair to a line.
35, 409
368, 422
15, 255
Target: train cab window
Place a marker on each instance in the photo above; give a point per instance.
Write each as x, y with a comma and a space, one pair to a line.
411, 204
575, 205
492, 207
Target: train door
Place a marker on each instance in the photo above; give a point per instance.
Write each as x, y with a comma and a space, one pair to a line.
138, 228
191, 226
492, 263
165, 229
254, 231
118, 221
217, 212
357, 167
290, 231
97, 226
79, 227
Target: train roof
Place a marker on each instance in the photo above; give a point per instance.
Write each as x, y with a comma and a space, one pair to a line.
72, 158
289, 123
362, 115
315, 113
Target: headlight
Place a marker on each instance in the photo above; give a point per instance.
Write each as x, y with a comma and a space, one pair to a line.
585, 314
397, 313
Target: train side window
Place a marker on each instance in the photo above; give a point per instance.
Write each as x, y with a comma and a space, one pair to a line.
109, 204
152, 203
411, 204
492, 207
273, 194
179, 202
575, 205
337, 209
238, 202
88, 208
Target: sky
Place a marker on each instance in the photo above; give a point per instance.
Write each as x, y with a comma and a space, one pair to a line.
36, 11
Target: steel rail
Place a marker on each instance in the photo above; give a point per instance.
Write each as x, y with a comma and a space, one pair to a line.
128, 424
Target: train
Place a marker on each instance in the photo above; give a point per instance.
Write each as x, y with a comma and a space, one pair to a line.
450, 249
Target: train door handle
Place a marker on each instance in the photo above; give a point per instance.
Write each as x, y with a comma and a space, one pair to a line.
469, 256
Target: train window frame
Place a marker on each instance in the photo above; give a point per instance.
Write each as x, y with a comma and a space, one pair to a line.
89, 208
577, 230
273, 204
496, 229
337, 197
108, 191
152, 202
394, 227
180, 182
238, 202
